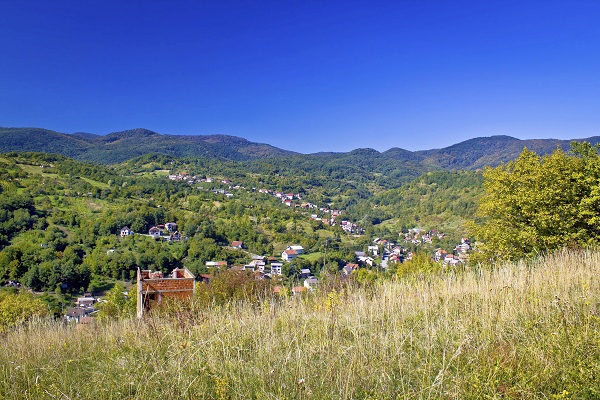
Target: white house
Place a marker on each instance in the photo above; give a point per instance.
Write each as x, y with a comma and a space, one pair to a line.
276, 268
289, 255
125, 231
154, 232
311, 283
374, 250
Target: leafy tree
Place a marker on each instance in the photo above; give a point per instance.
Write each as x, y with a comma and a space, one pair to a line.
420, 263
19, 307
117, 304
535, 204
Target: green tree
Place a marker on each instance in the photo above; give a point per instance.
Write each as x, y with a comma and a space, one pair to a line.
536, 204
18, 308
117, 304
420, 263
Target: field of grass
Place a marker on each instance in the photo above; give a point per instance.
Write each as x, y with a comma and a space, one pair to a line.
37, 170
313, 256
519, 331
94, 183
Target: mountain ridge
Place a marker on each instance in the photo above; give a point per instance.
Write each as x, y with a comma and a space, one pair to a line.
124, 145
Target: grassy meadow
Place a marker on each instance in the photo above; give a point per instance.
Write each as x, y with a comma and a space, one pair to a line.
518, 331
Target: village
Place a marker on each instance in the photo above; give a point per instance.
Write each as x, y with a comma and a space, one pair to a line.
152, 287
323, 214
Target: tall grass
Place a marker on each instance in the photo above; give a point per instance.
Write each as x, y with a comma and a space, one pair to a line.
516, 331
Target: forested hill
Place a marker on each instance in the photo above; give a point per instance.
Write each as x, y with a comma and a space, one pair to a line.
121, 146
491, 151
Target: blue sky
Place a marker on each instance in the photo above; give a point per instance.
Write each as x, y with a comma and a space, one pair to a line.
305, 75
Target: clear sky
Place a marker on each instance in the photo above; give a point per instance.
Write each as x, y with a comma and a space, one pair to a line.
305, 75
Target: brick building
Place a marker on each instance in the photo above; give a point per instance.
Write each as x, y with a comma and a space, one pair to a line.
153, 288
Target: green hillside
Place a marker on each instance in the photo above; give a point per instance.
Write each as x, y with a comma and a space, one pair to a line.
421, 328
61, 218
121, 146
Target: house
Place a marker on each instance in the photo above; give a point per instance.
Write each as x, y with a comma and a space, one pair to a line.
374, 250
451, 260
396, 258
77, 313
352, 265
276, 268
236, 244
305, 273
439, 255
298, 249
175, 237
311, 283
217, 264
171, 226
464, 246
347, 270
154, 288
258, 265
85, 302
125, 231
154, 232
367, 260
289, 255
74, 314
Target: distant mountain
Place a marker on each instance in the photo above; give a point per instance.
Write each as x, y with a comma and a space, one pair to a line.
490, 151
36, 139
121, 146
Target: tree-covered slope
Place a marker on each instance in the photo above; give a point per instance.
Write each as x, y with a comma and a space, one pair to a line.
43, 140
491, 151
394, 163
121, 146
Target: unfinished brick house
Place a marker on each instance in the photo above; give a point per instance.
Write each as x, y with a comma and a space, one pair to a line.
153, 288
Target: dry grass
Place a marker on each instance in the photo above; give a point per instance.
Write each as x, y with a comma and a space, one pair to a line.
517, 331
